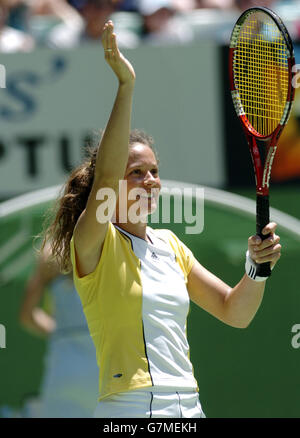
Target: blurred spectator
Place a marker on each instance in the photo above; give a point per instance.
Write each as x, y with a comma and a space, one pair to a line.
162, 25
184, 5
11, 39
54, 23
95, 14
127, 5
245, 4
68, 389
18, 14
216, 4
61, 24
120, 5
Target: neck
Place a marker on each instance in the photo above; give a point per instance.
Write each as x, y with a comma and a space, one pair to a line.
138, 229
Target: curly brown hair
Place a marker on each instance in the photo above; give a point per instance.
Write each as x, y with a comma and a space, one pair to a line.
63, 216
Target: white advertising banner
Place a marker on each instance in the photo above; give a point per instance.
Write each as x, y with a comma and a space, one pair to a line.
54, 100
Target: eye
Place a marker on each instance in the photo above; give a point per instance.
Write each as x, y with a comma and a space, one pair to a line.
136, 172
154, 171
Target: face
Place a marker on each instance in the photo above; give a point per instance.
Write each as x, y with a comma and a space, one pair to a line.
142, 182
156, 21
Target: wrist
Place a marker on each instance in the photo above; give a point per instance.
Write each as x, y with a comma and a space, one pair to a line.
127, 85
251, 269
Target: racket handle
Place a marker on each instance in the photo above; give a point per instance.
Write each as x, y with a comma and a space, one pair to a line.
262, 219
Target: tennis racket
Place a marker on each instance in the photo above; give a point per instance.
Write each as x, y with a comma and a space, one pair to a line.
261, 60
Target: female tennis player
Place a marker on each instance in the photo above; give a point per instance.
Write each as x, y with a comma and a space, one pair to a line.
135, 283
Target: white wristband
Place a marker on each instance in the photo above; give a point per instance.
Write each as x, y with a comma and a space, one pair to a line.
251, 269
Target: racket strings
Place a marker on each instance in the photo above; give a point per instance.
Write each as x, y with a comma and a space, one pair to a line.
261, 72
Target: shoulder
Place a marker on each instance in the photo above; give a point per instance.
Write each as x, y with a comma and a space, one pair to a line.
113, 248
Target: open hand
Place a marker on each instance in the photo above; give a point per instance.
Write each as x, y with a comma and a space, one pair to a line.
119, 64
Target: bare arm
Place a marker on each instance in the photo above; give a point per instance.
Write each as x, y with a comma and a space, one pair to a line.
111, 160
32, 317
235, 306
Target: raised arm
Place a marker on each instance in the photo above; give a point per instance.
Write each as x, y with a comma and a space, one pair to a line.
111, 159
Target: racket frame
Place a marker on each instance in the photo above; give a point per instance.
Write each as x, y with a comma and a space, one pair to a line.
262, 170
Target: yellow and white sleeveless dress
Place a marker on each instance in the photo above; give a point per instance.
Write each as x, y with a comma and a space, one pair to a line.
136, 304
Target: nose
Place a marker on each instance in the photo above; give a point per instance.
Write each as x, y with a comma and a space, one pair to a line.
149, 179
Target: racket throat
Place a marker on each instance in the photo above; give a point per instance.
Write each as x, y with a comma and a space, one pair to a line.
262, 156
268, 166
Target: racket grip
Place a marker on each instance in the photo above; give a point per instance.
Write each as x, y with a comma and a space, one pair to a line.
262, 219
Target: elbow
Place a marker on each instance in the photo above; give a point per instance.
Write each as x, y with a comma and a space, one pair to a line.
238, 321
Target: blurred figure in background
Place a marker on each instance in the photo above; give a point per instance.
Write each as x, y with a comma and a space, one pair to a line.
68, 388
95, 14
126, 5
54, 23
51, 23
82, 22
162, 25
12, 39
216, 4
184, 5
246, 4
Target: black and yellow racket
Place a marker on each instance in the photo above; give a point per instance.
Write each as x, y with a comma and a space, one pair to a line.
261, 80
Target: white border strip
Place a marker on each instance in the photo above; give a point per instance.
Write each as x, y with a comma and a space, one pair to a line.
215, 196
29, 200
